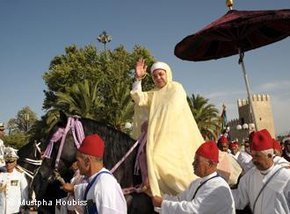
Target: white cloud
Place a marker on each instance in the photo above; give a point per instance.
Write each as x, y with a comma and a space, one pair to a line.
273, 86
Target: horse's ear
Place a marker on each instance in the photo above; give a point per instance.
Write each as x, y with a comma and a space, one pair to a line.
62, 119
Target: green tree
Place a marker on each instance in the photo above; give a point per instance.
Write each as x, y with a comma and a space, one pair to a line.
23, 121
82, 98
20, 127
16, 140
206, 115
94, 84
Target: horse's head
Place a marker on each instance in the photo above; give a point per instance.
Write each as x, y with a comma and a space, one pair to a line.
45, 184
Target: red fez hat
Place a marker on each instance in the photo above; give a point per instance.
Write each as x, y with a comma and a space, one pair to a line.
93, 145
223, 140
276, 145
261, 140
234, 144
209, 150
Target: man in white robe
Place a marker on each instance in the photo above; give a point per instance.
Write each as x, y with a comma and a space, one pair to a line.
265, 187
209, 194
172, 134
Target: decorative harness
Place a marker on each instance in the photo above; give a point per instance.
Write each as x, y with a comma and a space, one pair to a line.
77, 129
31, 161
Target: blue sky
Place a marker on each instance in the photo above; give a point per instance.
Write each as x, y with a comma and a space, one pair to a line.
34, 31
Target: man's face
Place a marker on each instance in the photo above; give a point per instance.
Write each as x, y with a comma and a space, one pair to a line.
159, 77
261, 160
2, 132
10, 165
81, 164
223, 146
200, 165
234, 149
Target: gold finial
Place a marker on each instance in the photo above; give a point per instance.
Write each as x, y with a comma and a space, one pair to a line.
230, 4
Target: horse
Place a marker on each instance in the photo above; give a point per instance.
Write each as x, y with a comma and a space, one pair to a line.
117, 144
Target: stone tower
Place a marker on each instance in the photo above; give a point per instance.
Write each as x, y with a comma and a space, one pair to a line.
262, 107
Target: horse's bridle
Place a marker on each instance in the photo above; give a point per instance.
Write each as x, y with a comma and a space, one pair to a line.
32, 162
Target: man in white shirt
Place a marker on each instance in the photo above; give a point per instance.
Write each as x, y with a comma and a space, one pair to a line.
13, 185
209, 194
223, 144
102, 194
245, 157
265, 187
235, 149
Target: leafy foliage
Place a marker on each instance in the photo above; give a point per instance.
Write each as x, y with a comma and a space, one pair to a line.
20, 127
206, 115
94, 84
23, 121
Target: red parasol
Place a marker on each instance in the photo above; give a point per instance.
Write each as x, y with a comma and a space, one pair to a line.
235, 33
244, 30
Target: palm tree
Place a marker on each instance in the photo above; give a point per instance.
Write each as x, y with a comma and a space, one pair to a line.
82, 99
206, 115
120, 107
86, 100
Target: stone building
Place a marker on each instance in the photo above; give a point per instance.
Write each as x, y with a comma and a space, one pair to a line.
262, 107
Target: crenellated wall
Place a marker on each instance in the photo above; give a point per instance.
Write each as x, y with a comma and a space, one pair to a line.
262, 107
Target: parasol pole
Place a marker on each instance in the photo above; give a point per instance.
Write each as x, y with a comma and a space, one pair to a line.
230, 4
252, 112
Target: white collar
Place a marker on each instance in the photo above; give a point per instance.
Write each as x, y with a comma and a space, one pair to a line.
265, 172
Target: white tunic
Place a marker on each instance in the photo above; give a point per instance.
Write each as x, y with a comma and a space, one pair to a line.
105, 193
280, 161
13, 191
213, 197
245, 160
275, 198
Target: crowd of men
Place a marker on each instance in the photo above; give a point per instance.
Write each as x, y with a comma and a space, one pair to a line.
263, 186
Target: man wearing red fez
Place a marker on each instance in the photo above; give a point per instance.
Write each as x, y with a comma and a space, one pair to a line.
265, 187
243, 158
208, 194
102, 194
234, 147
223, 144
